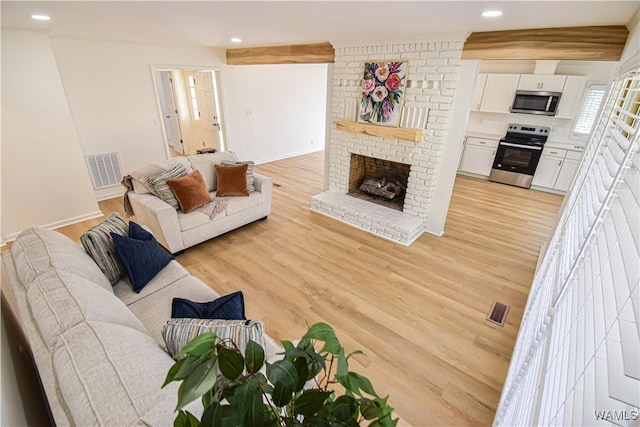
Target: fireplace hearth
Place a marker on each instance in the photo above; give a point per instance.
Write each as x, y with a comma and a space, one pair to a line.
379, 181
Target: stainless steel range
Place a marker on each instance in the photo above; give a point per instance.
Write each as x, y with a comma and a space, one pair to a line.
518, 155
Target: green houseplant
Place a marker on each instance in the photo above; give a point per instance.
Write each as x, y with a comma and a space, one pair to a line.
298, 390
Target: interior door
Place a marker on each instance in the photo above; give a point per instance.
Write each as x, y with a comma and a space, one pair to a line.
167, 98
206, 124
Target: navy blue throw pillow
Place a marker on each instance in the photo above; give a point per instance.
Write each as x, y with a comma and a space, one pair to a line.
228, 307
137, 232
141, 257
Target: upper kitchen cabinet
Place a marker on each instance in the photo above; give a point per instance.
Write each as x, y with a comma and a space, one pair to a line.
499, 90
571, 97
478, 91
542, 82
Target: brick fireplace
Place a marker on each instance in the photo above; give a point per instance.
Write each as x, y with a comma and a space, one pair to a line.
431, 82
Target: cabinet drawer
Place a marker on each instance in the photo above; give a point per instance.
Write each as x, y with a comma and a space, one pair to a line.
482, 142
574, 155
554, 152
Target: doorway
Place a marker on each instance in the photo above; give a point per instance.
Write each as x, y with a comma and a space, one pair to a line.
190, 103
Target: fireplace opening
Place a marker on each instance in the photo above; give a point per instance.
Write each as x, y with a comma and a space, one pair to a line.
379, 181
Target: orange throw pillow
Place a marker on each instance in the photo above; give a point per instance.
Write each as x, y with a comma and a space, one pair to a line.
232, 180
190, 190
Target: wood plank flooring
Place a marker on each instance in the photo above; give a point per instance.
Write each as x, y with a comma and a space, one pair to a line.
417, 312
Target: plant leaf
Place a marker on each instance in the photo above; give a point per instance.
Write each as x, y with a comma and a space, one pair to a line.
281, 395
227, 416
199, 345
171, 375
324, 332
231, 363
282, 371
254, 353
370, 409
310, 402
343, 366
186, 419
197, 383
302, 368
364, 384
344, 408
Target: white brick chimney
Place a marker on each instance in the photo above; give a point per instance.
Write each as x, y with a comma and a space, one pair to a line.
431, 84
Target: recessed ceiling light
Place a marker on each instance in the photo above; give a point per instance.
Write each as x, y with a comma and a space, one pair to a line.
492, 13
236, 39
40, 17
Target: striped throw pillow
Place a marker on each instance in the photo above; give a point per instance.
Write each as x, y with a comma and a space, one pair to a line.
162, 188
99, 245
178, 332
250, 179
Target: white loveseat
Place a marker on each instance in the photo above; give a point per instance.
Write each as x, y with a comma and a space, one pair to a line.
98, 349
176, 230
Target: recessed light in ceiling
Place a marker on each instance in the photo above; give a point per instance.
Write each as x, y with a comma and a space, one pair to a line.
236, 39
492, 13
40, 17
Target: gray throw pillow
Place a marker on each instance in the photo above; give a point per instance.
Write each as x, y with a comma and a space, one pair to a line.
162, 188
178, 332
97, 242
250, 165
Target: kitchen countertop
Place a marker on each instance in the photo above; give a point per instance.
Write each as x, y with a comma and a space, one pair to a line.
564, 146
493, 136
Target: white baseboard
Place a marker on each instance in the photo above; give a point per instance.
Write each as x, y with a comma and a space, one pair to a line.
57, 224
286, 156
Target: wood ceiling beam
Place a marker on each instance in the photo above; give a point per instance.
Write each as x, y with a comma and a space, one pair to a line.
291, 54
598, 43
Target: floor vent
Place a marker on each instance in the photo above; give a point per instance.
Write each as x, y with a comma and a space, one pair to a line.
498, 313
104, 169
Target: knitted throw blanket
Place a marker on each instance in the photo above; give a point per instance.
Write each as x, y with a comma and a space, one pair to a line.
146, 175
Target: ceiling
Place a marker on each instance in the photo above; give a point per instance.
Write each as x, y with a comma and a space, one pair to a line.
261, 23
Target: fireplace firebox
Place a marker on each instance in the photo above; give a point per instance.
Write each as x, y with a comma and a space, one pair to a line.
379, 181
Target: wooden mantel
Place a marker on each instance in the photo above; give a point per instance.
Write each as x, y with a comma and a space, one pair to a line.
316, 53
407, 134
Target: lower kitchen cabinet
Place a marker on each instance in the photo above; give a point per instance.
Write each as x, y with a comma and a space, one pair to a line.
478, 156
556, 169
567, 172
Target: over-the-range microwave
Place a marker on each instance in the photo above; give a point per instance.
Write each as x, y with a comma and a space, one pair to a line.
536, 102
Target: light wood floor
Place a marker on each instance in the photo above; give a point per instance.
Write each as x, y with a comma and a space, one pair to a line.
417, 312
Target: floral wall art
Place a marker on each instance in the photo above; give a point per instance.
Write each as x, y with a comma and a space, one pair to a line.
383, 88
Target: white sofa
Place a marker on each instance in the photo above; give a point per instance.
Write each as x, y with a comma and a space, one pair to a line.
98, 349
176, 230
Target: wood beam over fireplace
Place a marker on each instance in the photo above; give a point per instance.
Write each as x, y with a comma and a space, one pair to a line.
408, 134
597, 43
317, 53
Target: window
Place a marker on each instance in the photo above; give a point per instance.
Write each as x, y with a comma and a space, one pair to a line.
194, 100
589, 110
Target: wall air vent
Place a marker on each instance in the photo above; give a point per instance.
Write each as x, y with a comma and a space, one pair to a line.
104, 169
498, 313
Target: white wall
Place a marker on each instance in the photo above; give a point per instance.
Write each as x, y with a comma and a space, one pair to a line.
44, 178
112, 98
275, 111
452, 147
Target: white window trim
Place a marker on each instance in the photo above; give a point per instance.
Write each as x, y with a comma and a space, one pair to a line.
583, 104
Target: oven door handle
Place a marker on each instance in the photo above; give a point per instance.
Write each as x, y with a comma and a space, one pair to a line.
527, 147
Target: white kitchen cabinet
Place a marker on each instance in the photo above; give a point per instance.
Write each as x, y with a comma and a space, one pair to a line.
499, 91
544, 82
571, 97
481, 80
549, 167
565, 176
556, 168
478, 156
